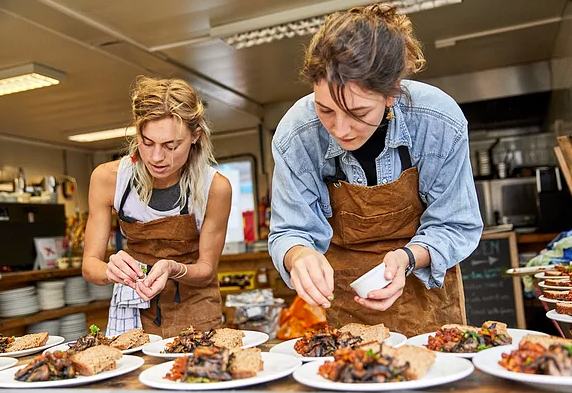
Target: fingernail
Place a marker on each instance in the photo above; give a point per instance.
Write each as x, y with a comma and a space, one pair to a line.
370, 296
326, 305
330, 298
146, 284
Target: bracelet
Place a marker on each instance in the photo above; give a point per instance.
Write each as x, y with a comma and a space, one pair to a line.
182, 271
178, 270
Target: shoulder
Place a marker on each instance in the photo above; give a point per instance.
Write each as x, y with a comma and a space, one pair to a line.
220, 187
300, 120
431, 102
106, 173
102, 184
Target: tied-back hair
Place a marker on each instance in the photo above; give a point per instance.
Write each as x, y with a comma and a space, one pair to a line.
156, 99
373, 46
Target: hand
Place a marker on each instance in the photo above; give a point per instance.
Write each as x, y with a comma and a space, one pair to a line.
381, 299
122, 268
156, 279
312, 276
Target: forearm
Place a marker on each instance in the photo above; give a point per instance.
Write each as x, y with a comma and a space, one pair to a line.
199, 274
93, 270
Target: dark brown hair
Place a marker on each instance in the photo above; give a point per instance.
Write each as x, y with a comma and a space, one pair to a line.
373, 46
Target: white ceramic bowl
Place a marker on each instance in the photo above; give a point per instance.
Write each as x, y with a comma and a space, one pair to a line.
371, 281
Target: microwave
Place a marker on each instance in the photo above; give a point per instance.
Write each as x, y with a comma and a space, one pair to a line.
541, 201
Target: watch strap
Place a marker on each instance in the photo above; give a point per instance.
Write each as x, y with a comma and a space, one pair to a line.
411, 266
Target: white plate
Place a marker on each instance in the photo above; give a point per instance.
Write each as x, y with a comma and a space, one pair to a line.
251, 339
546, 300
444, 370
276, 366
488, 362
287, 347
552, 314
529, 270
516, 334
7, 363
124, 365
64, 347
542, 276
542, 284
52, 340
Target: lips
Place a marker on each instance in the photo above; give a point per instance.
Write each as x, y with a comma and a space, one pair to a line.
159, 169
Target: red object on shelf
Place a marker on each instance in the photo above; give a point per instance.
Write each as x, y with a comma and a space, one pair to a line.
248, 225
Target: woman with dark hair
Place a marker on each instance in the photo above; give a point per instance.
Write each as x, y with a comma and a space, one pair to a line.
373, 168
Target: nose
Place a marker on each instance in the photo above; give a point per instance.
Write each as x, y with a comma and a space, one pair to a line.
341, 129
157, 155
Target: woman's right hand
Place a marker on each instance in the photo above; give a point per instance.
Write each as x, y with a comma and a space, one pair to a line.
122, 268
311, 275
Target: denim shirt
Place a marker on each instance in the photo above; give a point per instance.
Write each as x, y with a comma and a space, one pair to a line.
434, 129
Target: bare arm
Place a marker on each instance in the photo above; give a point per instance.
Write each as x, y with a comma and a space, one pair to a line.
101, 194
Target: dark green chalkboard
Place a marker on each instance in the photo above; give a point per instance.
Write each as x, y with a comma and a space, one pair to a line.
490, 294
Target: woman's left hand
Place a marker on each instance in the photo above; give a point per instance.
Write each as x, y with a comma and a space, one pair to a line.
381, 299
155, 280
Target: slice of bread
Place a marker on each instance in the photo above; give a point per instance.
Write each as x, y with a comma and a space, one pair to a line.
96, 359
558, 295
552, 273
462, 328
564, 308
131, 339
545, 341
500, 327
229, 338
29, 341
373, 333
246, 363
419, 359
558, 283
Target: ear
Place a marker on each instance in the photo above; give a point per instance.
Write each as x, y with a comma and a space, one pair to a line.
390, 101
197, 134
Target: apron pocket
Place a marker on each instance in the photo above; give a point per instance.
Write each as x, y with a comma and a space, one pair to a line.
357, 229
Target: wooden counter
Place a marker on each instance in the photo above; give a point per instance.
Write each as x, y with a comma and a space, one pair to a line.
476, 382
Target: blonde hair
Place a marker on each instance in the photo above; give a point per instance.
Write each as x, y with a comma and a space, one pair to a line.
373, 46
156, 99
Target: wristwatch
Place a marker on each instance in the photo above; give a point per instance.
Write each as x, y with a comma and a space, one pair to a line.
411, 265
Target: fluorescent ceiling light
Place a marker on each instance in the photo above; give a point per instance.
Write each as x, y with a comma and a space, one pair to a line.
302, 21
27, 77
103, 135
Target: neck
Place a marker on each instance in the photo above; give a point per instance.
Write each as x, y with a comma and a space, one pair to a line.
166, 182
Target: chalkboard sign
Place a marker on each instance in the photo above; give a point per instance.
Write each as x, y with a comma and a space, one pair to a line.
489, 293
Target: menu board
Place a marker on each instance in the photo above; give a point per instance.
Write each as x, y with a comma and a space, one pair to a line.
490, 294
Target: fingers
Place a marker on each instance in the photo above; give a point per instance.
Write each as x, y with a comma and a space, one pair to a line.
385, 293
391, 265
126, 264
301, 292
313, 278
318, 273
114, 274
379, 305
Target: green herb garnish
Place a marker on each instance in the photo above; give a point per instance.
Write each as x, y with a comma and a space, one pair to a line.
144, 269
528, 361
198, 380
94, 330
569, 348
371, 354
482, 347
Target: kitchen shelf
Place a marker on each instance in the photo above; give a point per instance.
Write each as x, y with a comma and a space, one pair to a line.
16, 322
524, 238
11, 278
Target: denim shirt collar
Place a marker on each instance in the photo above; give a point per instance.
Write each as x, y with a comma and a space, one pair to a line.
398, 135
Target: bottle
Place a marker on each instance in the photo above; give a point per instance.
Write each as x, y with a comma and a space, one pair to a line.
262, 280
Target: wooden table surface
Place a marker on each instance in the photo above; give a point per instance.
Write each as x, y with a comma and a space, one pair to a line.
476, 382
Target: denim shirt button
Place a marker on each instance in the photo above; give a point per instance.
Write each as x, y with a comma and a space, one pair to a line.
360, 180
384, 181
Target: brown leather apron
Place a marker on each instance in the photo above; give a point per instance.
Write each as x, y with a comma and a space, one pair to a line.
178, 305
368, 222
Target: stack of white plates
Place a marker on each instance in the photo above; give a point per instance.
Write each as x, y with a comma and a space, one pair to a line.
98, 292
21, 301
51, 294
72, 326
52, 326
76, 291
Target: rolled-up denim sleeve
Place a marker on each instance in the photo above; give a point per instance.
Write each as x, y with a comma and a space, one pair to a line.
451, 226
296, 217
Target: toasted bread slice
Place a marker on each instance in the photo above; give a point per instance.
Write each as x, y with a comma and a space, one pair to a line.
564, 308
368, 333
29, 341
558, 295
558, 283
229, 338
553, 273
419, 359
131, 339
246, 363
96, 359
500, 327
462, 328
545, 341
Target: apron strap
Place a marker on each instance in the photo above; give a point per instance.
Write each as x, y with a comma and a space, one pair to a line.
184, 210
177, 298
405, 157
157, 320
339, 176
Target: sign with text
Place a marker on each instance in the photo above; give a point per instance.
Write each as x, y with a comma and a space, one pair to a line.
490, 294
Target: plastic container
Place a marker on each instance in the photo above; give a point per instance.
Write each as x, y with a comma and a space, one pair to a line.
371, 281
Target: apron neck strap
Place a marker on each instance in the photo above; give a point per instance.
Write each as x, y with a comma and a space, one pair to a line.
184, 210
404, 157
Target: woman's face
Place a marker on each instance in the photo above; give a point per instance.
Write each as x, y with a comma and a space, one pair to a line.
164, 148
350, 133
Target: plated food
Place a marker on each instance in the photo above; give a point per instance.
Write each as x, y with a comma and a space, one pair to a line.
128, 340
469, 339
558, 295
66, 365
555, 284
190, 339
28, 344
540, 355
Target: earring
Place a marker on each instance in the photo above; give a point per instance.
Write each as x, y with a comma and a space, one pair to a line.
390, 115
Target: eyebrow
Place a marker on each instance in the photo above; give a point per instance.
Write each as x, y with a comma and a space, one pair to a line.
162, 143
358, 108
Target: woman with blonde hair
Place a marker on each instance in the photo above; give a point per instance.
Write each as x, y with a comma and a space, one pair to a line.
373, 168
173, 209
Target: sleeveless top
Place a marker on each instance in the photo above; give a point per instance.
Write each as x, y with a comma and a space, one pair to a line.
138, 209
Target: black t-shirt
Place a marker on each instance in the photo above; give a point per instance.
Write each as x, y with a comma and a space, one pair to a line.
370, 150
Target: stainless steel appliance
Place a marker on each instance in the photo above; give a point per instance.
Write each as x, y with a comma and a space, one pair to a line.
542, 201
